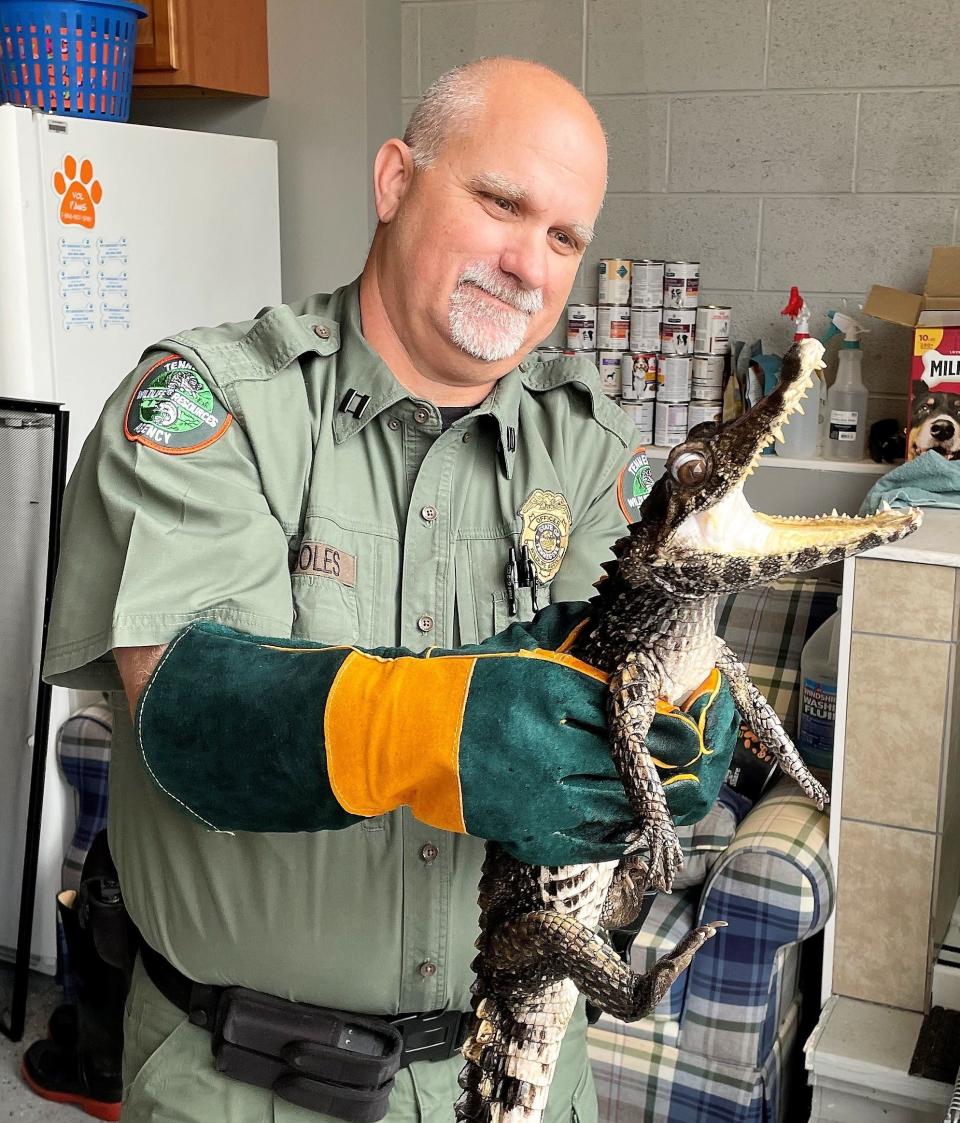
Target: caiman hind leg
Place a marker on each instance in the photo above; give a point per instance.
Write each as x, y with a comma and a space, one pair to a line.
634, 689
625, 896
569, 948
762, 719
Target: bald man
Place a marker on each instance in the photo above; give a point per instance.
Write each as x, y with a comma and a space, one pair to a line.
351, 470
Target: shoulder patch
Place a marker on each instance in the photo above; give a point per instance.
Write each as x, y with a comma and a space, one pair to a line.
174, 410
634, 484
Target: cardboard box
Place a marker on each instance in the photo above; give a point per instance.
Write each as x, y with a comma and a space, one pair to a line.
933, 409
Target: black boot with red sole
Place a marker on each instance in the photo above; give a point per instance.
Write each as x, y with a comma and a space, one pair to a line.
55, 1072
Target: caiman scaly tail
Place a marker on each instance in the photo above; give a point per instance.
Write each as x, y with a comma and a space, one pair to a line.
651, 629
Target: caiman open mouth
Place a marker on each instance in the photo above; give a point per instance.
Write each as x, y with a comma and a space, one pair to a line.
731, 527
698, 509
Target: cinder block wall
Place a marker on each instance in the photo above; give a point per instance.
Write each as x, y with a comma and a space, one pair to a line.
815, 144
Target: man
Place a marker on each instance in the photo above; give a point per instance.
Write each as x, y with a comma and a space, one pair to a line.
351, 470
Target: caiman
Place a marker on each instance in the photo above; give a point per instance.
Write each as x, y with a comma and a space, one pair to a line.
650, 627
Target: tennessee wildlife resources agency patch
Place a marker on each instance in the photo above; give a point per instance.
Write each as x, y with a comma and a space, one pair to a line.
173, 409
634, 484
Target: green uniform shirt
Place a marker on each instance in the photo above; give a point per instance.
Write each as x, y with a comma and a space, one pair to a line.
307, 516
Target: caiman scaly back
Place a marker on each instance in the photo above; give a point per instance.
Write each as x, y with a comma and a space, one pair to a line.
651, 629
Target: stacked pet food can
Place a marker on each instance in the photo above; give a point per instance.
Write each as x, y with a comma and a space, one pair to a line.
660, 355
711, 349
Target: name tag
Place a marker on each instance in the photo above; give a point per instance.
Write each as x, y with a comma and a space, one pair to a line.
317, 559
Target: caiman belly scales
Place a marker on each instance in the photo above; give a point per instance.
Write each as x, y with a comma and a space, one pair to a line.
651, 629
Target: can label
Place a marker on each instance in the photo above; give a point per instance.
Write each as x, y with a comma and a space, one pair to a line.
676, 333
638, 376
590, 356
581, 326
670, 424
704, 411
645, 329
641, 414
712, 336
673, 379
646, 286
613, 327
843, 424
608, 364
706, 377
681, 284
614, 281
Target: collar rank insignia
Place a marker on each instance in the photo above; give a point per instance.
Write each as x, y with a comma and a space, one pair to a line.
545, 531
634, 483
173, 410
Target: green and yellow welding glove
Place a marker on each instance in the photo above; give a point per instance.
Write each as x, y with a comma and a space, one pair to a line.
504, 740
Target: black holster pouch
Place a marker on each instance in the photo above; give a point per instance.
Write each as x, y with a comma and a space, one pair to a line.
324, 1060
101, 910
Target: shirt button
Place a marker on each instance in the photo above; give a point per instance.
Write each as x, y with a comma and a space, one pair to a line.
427, 969
466, 437
421, 415
429, 853
428, 514
321, 331
393, 424
425, 623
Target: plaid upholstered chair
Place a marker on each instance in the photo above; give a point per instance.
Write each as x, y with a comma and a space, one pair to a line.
722, 1046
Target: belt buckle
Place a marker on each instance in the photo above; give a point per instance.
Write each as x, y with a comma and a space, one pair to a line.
432, 1036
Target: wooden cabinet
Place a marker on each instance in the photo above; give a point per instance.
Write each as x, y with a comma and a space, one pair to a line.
197, 48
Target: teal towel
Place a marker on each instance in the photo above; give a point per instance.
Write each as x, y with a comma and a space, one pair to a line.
929, 481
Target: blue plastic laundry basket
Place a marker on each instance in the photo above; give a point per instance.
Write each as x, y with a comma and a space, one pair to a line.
73, 58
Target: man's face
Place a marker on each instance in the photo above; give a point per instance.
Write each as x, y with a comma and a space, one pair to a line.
488, 240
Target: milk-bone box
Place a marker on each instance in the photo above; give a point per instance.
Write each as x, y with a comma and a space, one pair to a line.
933, 409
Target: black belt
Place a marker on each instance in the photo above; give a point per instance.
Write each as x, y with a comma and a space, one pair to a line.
431, 1036
326, 1060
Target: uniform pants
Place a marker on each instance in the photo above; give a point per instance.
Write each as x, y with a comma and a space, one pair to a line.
168, 1077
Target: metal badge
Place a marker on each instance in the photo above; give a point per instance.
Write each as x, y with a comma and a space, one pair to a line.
546, 519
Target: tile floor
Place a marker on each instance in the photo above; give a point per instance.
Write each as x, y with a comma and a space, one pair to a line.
17, 1102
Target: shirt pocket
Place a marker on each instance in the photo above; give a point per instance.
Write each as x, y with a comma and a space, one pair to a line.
325, 572
483, 607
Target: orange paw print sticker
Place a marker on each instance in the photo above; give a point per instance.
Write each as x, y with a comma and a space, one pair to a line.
79, 193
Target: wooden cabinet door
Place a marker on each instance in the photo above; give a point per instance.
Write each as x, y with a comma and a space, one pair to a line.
156, 36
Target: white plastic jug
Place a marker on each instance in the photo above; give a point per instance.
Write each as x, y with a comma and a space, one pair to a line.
818, 693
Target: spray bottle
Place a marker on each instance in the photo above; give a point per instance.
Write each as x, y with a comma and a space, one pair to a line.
801, 435
845, 432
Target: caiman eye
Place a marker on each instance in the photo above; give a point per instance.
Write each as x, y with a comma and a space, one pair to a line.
690, 468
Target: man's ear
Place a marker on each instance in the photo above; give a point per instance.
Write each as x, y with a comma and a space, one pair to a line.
392, 175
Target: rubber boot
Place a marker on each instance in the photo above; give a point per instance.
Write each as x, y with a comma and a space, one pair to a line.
87, 1073
62, 1026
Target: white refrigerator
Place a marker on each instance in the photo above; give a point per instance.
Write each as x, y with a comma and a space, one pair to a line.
112, 236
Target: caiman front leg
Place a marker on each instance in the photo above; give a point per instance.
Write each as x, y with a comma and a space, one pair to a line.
634, 689
571, 949
763, 720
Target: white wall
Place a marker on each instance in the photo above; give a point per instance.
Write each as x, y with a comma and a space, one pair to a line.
335, 96
779, 143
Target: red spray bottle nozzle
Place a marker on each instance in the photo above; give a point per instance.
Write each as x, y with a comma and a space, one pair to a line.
796, 308
794, 304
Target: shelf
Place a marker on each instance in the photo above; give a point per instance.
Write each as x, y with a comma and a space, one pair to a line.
867, 467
